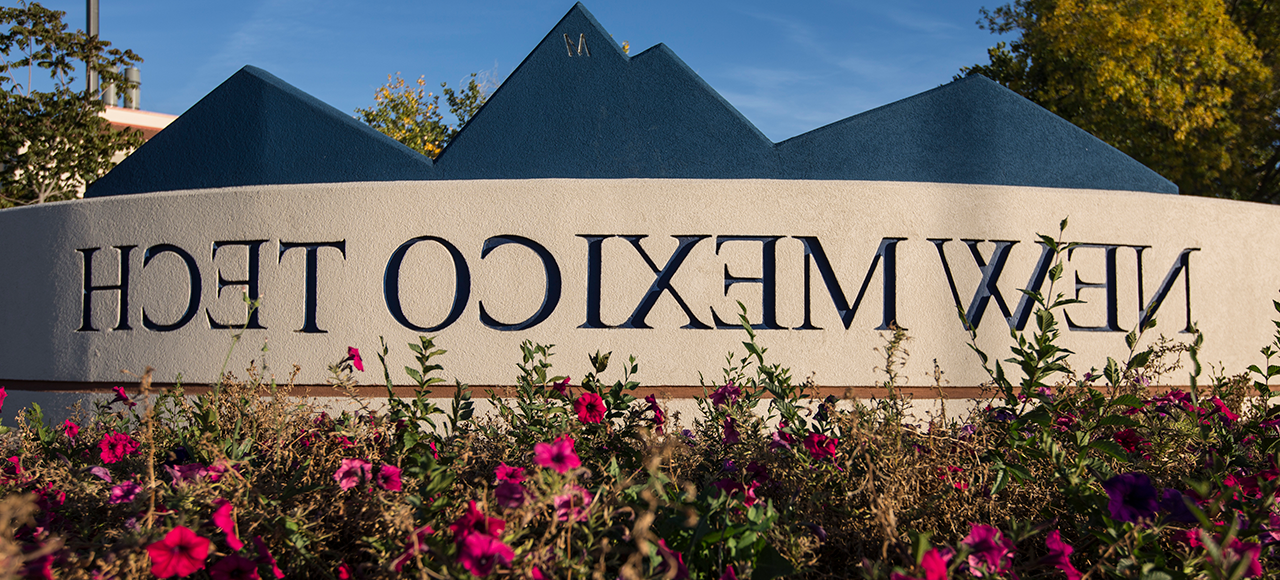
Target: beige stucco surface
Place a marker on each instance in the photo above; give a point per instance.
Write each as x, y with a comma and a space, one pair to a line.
1232, 277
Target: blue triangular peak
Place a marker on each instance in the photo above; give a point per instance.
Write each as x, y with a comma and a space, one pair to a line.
255, 129
578, 107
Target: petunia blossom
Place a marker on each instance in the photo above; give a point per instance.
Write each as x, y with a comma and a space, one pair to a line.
504, 472
222, 519
122, 397
353, 354
265, 557
115, 446
727, 394
100, 472
70, 429
481, 553
558, 455
180, 553
1132, 497
590, 408
475, 522
989, 551
659, 417
388, 477
731, 435
123, 493
415, 544
352, 472
234, 567
572, 506
819, 446
934, 564
1059, 555
561, 387
509, 494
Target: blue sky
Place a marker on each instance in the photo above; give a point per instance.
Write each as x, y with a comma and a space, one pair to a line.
789, 67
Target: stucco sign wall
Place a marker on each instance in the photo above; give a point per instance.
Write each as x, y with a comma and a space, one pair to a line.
601, 201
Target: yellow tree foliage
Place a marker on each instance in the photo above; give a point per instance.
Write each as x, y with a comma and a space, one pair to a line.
1187, 87
411, 115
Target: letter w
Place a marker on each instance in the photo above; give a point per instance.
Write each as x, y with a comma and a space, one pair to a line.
988, 288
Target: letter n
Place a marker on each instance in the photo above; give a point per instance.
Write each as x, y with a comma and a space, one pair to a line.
1181, 265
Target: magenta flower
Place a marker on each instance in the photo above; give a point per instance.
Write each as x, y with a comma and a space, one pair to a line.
388, 477
123, 493
590, 408
115, 446
561, 387
3, 394
181, 553
727, 394
558, 455
989, 551
729, 573
820, 446
353, 355
659, 418
475, 522
265, 557
185, 473
1130, 440
731, 487
68, 428
1228, 417
1239, 550
352, 472
572, 506
222, 519
415, 544
480, 553
670, 557
506, 472
122, 397
731, 435
1132, 497
781, 440
234, 567
934, 563
1059, 555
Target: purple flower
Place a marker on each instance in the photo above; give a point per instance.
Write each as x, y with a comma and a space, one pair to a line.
185, 473
509, 494
124, 493
731, 435
1132, 497
989, 551
726, 395
101, 473
1171, 501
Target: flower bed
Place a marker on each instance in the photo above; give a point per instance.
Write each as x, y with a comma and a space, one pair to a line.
1094, 475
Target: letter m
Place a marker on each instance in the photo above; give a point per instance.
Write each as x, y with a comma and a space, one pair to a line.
814, 254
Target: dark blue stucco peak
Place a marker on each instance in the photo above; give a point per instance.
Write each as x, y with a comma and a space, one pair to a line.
579, 107
255, 129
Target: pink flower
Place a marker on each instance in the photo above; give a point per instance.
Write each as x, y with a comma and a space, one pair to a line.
990, 552
558, 455
670, 557
101, 473
68, 428
123, 493
115, 446
727, 394
222, 519
505, 472
731, 487
234, 567
1239, 550
561, 387
265, 557
3, 394
731, 435
820, 446
1130, 440
934, 563
352, 472
572, 506
1059, 555
480, 553
729, 574
415, 544
659, 418
590, 408
353, 354
475, 522
122, 397
389, 477
184, 473
1229, 417
181, 553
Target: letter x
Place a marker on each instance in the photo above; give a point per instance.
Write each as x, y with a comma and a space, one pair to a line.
662, 282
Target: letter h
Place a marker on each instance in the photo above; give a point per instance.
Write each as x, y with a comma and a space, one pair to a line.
86, 321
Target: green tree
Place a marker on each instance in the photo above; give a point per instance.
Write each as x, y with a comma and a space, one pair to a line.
411, 115
1188, 87
54, 142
